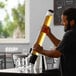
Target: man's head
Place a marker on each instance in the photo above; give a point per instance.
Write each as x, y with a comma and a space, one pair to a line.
69, 18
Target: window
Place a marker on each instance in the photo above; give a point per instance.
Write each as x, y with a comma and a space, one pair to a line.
14, 21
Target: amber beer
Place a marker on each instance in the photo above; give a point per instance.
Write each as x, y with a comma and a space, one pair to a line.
42, 35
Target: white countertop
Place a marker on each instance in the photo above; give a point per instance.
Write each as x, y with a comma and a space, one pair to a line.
21, 70
11, 70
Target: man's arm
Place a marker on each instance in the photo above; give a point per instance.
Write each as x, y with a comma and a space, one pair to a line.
47, 30
54, 53
53, 39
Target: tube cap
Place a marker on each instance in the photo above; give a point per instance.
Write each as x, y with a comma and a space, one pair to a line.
51, 11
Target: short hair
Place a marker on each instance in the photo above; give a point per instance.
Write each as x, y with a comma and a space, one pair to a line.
70, 13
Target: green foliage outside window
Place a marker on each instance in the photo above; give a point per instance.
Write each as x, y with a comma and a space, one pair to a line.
18, 20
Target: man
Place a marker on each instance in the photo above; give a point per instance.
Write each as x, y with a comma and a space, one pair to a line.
66, 48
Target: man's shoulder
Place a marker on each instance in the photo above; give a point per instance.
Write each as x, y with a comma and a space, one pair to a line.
68, 33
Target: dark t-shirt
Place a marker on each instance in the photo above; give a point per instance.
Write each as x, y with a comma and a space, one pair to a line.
68, 49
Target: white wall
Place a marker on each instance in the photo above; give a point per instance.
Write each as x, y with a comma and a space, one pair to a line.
38, 9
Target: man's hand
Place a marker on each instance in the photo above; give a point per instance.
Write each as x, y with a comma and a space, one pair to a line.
38, 48
47, 30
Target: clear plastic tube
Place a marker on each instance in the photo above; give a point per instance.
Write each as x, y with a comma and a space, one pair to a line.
47, 21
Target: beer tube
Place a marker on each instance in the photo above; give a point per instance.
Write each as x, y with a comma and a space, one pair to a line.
42, 35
